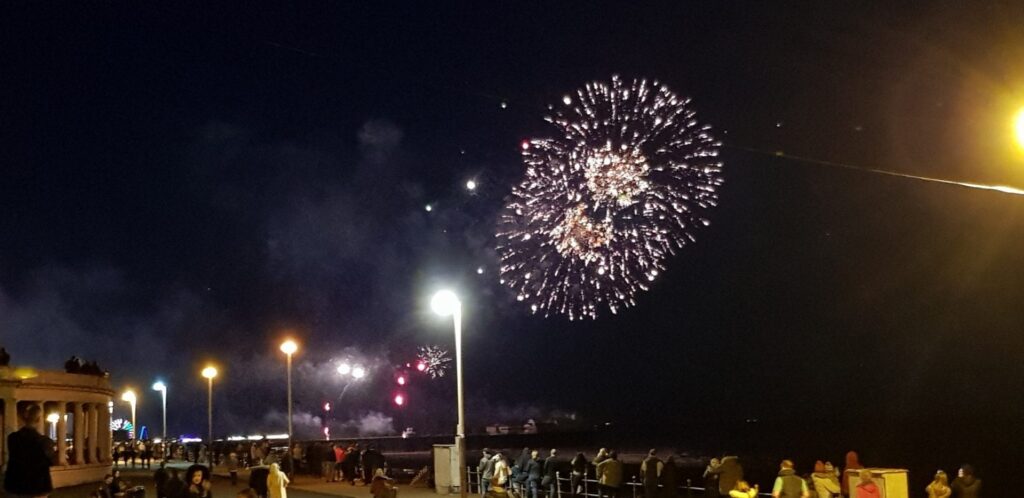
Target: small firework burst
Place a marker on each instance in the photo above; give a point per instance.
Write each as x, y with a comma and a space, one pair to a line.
434, 361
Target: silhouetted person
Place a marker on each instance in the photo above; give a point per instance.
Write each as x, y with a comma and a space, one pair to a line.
650, 472
5, 357
175, 487
485, 471
966, 485
729, 472
579, 473
160, 478
670, 479
552, 465
30, 456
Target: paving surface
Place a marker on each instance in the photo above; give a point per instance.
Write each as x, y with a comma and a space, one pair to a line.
301, 487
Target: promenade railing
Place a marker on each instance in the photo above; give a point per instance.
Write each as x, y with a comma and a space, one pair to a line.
588, 487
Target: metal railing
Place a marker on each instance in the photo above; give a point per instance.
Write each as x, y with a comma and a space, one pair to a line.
586, 487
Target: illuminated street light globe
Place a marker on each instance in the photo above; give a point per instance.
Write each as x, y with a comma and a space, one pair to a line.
445, 303
52, 418
344, 369
358, 372
209, 372
129, 396
159, 386
289, 347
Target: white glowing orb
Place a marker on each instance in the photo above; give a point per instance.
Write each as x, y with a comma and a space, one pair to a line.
358, 372
428, 207
470, 185
445, 303
344, 369
289, 347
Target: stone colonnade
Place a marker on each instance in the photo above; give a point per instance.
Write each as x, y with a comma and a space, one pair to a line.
75, 403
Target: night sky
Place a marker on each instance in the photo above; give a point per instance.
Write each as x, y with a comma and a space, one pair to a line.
187, 182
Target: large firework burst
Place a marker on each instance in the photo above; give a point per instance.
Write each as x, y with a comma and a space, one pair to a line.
434, 359
621, 185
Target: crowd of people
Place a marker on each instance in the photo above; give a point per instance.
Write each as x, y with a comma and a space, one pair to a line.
529, 476
30, 455
76, 365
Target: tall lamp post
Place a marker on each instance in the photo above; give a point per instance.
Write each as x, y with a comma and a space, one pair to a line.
289, 348
209, 372
129, 396
446, 303
160, 386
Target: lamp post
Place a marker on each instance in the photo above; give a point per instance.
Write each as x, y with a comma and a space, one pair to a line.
209, 372
160, 386
289, 348
129, 396
446, 303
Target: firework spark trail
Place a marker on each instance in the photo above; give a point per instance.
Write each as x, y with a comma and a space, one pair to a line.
620, 186
980, 186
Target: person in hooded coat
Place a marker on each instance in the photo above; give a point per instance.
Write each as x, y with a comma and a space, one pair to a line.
852, 463
197, 482
966, 485
276, 482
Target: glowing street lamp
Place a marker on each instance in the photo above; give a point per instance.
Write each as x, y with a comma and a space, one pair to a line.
160, 386
344, 369
129, 397
53, 418
289, 348
209, 373
358, 372
446, 303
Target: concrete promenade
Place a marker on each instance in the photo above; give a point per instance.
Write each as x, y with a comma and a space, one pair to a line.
301, 487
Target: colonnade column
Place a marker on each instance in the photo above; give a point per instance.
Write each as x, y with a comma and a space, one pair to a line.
106, 438
78, 432
93, 446
62, 433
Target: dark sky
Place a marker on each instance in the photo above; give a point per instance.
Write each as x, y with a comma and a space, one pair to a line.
184, 183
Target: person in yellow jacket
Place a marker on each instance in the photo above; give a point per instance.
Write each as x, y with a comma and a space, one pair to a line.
743, 490
609, 476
